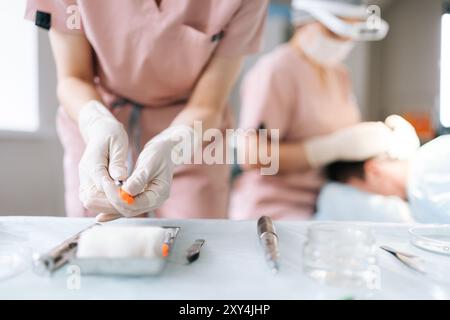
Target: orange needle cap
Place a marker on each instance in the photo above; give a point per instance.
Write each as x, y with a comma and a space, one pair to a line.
126, 197
165, 250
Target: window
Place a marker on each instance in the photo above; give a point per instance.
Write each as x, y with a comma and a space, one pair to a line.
18, 69
445, 72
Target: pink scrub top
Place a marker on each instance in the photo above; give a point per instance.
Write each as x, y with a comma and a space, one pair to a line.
153, 55
284, 91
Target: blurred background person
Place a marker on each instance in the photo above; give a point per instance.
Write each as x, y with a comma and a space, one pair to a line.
420, 176
303, 89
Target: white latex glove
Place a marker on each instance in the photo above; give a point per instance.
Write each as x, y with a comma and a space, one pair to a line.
105, 155
357, 143
404, 142
152, 178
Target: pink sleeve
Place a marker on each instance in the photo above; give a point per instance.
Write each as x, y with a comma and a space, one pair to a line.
62, 15
244, 33
267, 99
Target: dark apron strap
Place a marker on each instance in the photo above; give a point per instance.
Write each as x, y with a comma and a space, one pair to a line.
134, 126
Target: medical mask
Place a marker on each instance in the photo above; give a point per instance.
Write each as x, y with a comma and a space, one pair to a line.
323, 49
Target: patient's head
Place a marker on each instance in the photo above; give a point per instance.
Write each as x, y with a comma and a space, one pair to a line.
380, 175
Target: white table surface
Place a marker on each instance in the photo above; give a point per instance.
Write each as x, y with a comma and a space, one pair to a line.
231, 265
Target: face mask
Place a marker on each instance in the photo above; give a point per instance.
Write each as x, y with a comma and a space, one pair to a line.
323, 49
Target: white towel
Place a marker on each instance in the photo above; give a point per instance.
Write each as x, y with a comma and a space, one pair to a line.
121, 242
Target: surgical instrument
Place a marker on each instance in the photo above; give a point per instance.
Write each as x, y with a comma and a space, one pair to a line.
269, 240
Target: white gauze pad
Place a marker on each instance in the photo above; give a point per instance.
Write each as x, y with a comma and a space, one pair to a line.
121, 242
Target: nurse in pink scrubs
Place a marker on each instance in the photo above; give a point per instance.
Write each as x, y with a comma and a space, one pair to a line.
303, 89
135, 76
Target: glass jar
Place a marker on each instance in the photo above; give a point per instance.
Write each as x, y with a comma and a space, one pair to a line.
341, 255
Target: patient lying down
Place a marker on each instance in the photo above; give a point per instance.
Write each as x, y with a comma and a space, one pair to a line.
379, 175
423, 180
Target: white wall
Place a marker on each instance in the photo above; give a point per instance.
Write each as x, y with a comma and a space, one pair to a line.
358, 64
405, 66
31, 167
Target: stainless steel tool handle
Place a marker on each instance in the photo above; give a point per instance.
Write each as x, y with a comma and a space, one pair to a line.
47, 263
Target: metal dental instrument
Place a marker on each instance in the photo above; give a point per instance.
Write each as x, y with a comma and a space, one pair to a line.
193, 253
45, 264
269, 240
432, 270
412, 262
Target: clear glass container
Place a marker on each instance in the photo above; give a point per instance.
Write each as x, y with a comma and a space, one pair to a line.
341, 255
434, 238
14, 259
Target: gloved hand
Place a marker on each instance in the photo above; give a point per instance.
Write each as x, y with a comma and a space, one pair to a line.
357, 143
151, 180
404, 141
105, 155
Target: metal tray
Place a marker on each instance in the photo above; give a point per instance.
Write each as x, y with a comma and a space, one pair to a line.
125, 267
